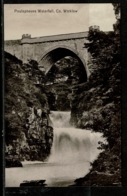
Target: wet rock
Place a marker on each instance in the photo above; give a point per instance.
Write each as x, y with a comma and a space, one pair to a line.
13, 163
33, 183
26, 113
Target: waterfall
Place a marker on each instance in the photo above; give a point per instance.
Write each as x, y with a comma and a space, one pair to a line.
72, 151
71, 145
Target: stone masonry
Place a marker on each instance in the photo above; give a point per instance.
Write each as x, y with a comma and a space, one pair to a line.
46, 50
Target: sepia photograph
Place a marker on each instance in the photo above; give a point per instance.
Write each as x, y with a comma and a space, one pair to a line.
62, 95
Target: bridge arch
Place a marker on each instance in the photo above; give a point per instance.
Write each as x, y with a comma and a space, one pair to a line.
50, 56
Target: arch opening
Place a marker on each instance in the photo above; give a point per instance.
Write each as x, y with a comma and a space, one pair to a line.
56, 53
63, 70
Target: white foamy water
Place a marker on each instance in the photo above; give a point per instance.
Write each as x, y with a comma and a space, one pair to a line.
72, 151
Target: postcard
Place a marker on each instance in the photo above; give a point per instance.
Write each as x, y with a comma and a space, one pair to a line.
62, 95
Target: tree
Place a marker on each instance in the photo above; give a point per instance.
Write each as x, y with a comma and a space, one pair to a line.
105, 51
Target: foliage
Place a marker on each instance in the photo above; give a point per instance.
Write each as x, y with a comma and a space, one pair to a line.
26, 112
99, 102
105, 51
34, 73
68, 70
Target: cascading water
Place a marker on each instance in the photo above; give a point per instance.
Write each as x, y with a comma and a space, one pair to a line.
71, 145
72, 151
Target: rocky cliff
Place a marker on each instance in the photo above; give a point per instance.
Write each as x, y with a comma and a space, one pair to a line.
64, 74
96, 105
98, 108
28, 135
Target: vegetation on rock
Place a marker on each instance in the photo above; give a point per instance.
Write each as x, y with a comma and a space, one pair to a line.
59, 81
98, 101
28, 134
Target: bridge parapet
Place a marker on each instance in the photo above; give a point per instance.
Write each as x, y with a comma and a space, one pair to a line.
26, 38
47, 49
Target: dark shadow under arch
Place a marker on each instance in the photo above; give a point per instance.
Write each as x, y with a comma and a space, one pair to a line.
50, 57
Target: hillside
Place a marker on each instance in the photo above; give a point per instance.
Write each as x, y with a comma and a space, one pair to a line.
99, 103
28, 135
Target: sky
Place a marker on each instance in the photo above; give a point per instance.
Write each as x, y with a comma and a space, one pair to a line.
17, 22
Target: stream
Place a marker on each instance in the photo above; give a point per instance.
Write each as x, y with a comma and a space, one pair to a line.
72, 151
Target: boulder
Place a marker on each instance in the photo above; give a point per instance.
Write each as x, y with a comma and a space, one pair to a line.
33, 183
12, 163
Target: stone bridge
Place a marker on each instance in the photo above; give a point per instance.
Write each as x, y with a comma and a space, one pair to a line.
49, 49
